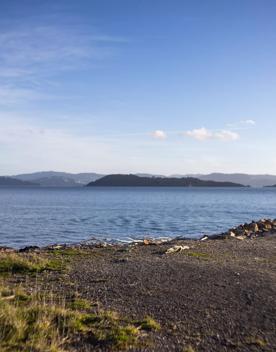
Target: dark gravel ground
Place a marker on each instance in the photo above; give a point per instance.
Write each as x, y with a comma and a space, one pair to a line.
219, 295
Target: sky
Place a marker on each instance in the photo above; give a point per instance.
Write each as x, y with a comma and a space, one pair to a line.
125, 86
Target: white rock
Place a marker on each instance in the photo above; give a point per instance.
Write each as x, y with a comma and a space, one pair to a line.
204, 238
176, 249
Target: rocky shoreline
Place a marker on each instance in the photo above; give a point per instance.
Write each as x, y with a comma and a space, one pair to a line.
254, 229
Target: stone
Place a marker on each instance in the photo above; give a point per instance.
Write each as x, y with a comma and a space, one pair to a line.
253, 227
268, 226
204, 238
240, 238
176, 249
7, 249
29, 249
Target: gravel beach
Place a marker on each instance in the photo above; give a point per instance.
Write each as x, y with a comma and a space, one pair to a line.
217, 295
210, 295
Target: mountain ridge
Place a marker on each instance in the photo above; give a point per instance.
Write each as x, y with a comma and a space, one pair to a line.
66, 179
59, 178
257, 180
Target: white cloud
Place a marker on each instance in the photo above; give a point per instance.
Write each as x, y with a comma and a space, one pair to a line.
248, 122
200, 134
243, 124
226, 135
159, 134
203, 134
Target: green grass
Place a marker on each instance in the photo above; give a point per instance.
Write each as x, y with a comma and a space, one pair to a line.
148, 324
80, 304
199, 255
31, 322
68, 252
189, 349
36, 320
15, 263
256, 341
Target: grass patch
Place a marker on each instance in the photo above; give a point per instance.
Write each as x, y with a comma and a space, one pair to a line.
68, 252
26, 264
189, 349
148, 324
256, 341
199, 255
33, 323
80, 304
42, 321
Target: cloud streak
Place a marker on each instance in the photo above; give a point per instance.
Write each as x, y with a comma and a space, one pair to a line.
51, 45
248, 122
243, 124
203, 134
31, 56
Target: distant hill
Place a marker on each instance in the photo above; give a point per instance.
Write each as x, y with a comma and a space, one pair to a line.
245, 179
12, 182
59, 179
136, 181
65, 179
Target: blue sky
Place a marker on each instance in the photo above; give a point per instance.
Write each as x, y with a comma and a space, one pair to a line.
167, 86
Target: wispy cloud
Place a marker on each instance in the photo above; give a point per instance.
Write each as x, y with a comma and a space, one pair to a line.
226, 135
10, 95
203, 134
51, 45
159, 134
31, 56
248, 122
242, 124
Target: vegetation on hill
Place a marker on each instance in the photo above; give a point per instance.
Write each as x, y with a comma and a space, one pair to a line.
136, 181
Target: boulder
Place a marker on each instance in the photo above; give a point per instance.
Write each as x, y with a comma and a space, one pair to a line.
29, 249
268, 226
240, 238
253, 227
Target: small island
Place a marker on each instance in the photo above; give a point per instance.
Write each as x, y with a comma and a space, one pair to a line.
120, 180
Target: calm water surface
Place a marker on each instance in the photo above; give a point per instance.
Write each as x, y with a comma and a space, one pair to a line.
41, 216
